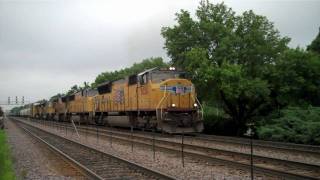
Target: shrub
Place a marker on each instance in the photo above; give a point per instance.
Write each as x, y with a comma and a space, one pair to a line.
217, 122
295, 124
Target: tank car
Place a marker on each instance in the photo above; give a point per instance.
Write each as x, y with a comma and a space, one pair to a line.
26, 111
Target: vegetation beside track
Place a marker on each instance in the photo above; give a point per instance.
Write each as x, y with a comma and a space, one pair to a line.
6, 165
294, 124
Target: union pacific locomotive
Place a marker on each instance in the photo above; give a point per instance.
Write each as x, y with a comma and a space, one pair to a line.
156, 98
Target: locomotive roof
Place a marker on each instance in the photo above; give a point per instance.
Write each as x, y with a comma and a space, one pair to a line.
157, 69
41, 102
110, 82
89, 91
139, 74
105, 83
148, 70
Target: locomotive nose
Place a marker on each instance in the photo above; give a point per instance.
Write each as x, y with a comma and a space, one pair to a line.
178, 112
180, 94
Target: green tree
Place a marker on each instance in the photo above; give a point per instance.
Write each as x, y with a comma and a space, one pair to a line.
315, 44
134, 69
16, 110
294, 80
56, 96
227, 55
85, 85
73, 89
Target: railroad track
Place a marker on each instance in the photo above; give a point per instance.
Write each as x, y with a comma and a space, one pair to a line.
283, 168
266, 145
298, 148
312, 149
94, 163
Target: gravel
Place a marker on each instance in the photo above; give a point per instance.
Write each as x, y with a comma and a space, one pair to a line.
169, 163
305, 157
33, 160
266, 152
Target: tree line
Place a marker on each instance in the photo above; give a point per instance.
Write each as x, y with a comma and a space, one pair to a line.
244, 72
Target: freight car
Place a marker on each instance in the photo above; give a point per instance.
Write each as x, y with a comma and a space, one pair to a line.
26, 111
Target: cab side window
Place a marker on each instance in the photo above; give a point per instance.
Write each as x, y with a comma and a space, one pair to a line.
144, 79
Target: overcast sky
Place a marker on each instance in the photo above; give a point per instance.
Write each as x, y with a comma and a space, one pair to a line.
46, 46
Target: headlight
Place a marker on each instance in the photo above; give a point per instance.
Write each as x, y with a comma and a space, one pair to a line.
172, 68
173, 105
195, 105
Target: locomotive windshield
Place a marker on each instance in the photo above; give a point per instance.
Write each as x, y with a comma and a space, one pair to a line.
158, 76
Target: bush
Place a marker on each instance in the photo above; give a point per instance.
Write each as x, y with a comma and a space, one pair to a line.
217, 122
295, 124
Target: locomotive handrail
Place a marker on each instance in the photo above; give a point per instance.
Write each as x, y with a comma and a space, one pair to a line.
201, 108
75, 127
161, 107
159, 104
197, 100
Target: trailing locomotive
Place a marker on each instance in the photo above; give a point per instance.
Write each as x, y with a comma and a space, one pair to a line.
156, 98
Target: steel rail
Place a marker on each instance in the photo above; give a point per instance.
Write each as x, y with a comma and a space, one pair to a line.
203, 156
299, 148
140, 136
90, 174
203, 151
151, 172
312, 149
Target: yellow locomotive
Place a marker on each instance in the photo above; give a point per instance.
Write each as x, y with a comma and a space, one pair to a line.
156, 98
77, 107
38, 109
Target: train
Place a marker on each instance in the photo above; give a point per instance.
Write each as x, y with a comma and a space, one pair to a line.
158, 98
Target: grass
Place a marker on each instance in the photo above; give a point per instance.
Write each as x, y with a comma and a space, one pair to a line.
6, 166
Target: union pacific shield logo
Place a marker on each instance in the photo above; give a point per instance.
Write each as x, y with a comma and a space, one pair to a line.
177, 89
